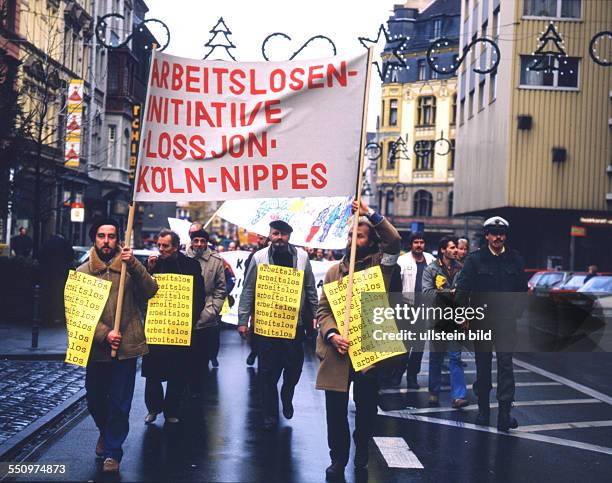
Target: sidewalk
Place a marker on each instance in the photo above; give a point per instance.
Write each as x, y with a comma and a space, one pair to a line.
16, 342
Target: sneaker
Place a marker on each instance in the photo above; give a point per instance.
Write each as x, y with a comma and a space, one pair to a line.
434, 401
110, 465
100, 447
460, 403
149, 418
215, 362
172, 420
251, 359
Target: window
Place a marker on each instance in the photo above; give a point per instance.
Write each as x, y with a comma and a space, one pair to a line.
564, 78
462, 112
390, 198
493, 86
453, 119
552, 8
382, 110
481, 97
423, 202
434, 73
391, 155
424, 159
125, 151
426, 115
451, 197
394, 76
110, 147
451, 156
437, 29
471, 105
393, 112
422, 75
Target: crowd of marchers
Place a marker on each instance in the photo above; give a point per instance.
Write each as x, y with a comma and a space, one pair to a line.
456, 274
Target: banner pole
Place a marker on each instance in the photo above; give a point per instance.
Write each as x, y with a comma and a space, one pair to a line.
211, 218
364, 122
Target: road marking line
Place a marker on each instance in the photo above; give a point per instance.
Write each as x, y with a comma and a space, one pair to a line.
557, 426
487, 429
396, 453
474, 407
473, 371
446, 388
568, 382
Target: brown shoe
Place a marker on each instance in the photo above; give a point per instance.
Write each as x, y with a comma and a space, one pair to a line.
110, 465
100, 447
460, 403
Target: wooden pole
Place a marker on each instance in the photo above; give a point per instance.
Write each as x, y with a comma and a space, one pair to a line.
211, 218
128, 240
364, 121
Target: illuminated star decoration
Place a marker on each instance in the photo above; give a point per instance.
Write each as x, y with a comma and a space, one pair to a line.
551, 51
397, 44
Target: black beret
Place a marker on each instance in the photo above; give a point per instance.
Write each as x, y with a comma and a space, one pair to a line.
281, 225
98, 222
199, 234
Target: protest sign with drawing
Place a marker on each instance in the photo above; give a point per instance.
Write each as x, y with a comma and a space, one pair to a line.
278, 295
169, 312
84, 299
214, 130
363, 350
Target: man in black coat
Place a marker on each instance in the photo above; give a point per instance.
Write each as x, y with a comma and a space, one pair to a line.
488, 279
169, 362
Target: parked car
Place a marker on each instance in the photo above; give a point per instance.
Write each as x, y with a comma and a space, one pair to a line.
548, 280
534, 279
595, 289
559, 291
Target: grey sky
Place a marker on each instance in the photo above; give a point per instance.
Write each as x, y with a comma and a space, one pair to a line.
251, 22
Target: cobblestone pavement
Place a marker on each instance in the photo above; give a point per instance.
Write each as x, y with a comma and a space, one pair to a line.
30, 389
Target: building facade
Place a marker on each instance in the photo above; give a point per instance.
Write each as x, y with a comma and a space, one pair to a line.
416, 129
534, 136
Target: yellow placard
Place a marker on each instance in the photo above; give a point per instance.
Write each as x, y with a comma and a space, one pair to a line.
84, 299
226, 308
364, 351
169, 312
278, 294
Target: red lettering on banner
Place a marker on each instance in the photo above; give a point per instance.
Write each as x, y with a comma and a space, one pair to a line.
171, 183
279, 173
196, 143
253, 88
191, 179
226, 177
297, 83
297, 176
219, 71
317, 171
142, 182
278, 80
180, 147
236, 78
191, 78
260, 173
177, 77
148, 146
340, 76
313, 75
271, 112
157, 172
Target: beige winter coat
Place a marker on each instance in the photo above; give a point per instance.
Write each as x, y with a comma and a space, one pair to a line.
213, 272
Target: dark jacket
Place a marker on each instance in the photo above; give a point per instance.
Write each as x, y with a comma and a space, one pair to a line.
170, 361
491, 280
333, 373
438, 283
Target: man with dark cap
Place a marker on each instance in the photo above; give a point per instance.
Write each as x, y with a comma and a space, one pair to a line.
109, 381
278, 355
488, 279
206, 339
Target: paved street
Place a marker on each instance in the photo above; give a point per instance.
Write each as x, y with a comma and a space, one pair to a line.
563, 404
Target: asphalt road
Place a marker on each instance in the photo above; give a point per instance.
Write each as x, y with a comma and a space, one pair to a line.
564, 406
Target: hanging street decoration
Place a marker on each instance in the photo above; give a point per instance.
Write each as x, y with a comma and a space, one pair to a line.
551, 52
264, 45
397, 43
220, 42
443, 44
398, 150
595, 48
423, 148
373, 151
107, 32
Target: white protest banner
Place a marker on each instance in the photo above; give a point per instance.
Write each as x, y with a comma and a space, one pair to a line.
236, 260
214, 130
316, 222
181, 228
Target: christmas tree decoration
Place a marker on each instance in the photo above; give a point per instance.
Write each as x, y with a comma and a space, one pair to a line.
550, 53
398, 150
328, 41
601, 54
219, 42
443, 44
397, 43
109, 37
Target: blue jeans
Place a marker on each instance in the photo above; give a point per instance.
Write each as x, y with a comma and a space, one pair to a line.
457, 377
110, 388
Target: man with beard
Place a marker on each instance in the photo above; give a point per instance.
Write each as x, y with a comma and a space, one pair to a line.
109, 381
262, 242
170, 362
206, 339
378, 243
489, 278
278, 355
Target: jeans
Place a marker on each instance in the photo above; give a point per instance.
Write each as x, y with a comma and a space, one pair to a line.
110, 388
457, 376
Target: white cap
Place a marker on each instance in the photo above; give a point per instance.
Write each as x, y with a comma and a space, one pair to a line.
496, 221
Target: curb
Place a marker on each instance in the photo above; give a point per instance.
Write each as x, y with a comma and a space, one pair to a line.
41, 423
34, 356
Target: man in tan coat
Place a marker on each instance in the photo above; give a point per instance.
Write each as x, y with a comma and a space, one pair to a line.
110, 381
378, 243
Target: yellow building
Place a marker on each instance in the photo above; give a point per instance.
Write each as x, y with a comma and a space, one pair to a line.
534, 146
416, 131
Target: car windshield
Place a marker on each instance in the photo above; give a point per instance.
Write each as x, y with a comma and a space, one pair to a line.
575, 282
534, 279
598, 284
549, 279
